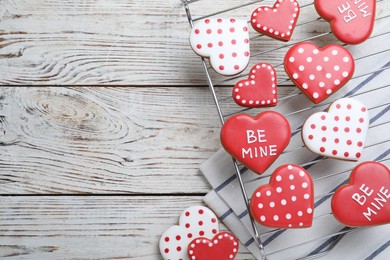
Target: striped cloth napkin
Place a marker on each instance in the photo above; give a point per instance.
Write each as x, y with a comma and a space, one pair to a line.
226, 199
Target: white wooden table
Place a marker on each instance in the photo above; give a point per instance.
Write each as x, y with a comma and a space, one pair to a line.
105, 118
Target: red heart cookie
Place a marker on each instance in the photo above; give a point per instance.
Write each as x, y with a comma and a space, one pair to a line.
256, 142
224, 41
278, 21
287, 201
318, 72
339, 133
224, 246
351, 21
365, 201
259, 90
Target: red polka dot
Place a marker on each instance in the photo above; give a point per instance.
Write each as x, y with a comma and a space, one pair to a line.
347, 118
236, 67
358, 155
220, 43
246, 41
358, 130
335, 129
246, 53
213, 220
322, 149
207, 21
364, 109
338, 106
336, 118
219, 31
346, 129
178, 248
200, 211
349, 106
199, 46
232, 20
166, 239
200, 223
219, 20
234, 54
234, 42
361, 120
349, 142
336, 140
346, 154
221, 67
201, 233
232, 29
166, 250
187, 213
334, 152
245, 29
323, 117
209, 31
313, 126
221, 56
197, 31
310, 137
188, 225
214, 231
178, 237
360, 144
210, 45
189, 235
323, 128
323, 139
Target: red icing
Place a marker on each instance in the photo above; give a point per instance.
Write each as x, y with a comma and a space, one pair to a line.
278, 21
256, 142
351, 21
318, 72
287, 201
356, 205
224, 246
259, 90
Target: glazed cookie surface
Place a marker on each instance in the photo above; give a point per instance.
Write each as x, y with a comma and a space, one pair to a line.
224, 41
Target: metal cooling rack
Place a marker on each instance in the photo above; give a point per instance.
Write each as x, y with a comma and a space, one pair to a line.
230, 81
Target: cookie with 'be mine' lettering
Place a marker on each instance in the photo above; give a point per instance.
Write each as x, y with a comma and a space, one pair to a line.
365, 201
257, 141
225, 42
339, 133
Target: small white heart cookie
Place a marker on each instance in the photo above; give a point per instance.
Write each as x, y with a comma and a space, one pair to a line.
224, 41
194, 222
339, 133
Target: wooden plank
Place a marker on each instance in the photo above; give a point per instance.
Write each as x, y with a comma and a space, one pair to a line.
107, 140
89, 227
121, 42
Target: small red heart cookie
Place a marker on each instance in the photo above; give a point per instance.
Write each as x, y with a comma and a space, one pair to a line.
278, 21
287, 201
195, 221
351, 21
259, 90
256, 142
224, 41
339, 133
318, 72
224, 246
365, 201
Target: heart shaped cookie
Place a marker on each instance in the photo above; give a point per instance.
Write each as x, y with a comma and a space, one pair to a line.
287, 201
351, 21
278, 21
195, 221
259, 90
318, 72
256, 142
339, 133
224, 41
224, 246
365, 201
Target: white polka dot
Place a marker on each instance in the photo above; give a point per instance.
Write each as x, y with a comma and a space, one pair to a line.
312, 77
274, 100
262, 218
291, 59
278, 189
315, 95
345, 59
253, 82
319, 68
334, 52
272, 204
337, 82
288, 216
268, 101
345, 74
258, 194
265, 28
278, 178
300, 213
309, 59
301, 173
283, 202
293, 198
328, 75
305, 86
321, 84
309, 210
246, 83
295, 75
260, 205
240, 85
329, 91
289, 167
236, 90
301, 224
238, 97
250, 101
316, 51
326, 58
306, 196
291, 177
244, 101
301, 68
262, 102
336, 68
292, 187
289, 225
300, 50
268, 193
276, 217
271, 30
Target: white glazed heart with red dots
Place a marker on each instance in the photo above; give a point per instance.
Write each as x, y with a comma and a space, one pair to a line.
224, 41
194, 222
339, 133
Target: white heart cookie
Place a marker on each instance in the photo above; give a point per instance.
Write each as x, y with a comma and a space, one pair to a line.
194, 222
224, 41
339, 133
